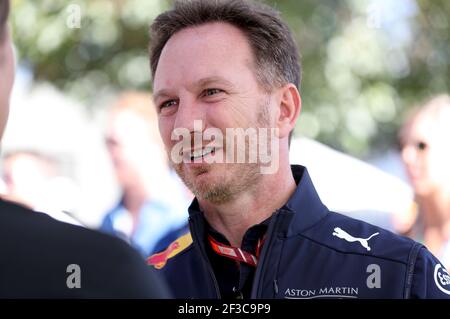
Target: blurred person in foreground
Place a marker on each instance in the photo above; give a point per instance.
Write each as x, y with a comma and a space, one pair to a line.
257, 227
425, 150
153, 202
45, 258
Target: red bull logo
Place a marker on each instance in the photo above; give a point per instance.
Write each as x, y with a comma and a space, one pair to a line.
159, 260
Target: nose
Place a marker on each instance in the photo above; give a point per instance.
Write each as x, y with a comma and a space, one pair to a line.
190, 115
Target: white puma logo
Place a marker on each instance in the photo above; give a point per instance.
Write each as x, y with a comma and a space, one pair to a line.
339, 232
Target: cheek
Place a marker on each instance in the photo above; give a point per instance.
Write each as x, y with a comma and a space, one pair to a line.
229, 115
165, 129
437, 166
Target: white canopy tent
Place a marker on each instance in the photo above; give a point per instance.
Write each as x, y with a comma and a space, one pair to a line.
353, 187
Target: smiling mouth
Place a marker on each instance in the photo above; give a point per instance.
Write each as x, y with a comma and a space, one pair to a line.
201, 153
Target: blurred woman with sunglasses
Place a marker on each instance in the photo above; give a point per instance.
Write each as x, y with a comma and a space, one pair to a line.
425, 151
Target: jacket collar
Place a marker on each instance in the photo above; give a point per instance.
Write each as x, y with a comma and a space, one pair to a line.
305, 204
303, 209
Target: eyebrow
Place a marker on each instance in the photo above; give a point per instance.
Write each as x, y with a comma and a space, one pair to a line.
213, 80
198, 84
160, 94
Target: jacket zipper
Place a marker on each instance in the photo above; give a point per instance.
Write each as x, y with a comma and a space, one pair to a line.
256, 280
205, 258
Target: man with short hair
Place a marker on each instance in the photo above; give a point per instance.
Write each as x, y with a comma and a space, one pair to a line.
44, 258
226, 74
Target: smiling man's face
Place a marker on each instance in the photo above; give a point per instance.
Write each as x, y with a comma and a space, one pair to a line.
206, 73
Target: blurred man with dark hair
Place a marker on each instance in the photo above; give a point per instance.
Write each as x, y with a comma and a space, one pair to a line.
44, 258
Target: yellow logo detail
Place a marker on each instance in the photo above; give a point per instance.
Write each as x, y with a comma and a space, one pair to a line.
159, 260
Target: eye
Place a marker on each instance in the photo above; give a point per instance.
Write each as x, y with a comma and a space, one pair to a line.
418, 145
166, 104
211, 92
421, 146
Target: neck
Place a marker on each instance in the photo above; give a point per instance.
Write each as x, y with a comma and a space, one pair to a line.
435, 208
232, 219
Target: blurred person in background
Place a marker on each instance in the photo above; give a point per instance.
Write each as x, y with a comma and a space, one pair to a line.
32, 178
45, 258
153, 202
425, 150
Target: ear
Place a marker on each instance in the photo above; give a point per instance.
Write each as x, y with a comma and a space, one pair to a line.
290, 104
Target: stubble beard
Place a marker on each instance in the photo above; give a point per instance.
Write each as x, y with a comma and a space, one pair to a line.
227, 180
231, 179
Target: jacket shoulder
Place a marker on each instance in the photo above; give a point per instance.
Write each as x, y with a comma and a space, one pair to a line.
421, 274
184, 269
351, 236
429, 279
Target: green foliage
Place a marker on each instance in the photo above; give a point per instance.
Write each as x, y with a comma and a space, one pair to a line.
363, 66
108, 51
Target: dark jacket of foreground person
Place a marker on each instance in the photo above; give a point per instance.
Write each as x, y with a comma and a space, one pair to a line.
44, 258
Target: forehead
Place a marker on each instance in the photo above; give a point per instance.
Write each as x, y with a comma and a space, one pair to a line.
206, 50
428, 128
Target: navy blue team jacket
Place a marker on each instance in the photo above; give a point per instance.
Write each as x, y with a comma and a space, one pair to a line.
311, 252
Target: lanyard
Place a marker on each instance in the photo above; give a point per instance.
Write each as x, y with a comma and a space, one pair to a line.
236, 253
